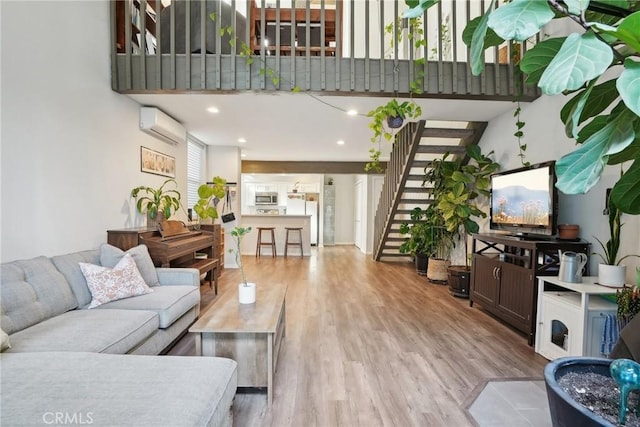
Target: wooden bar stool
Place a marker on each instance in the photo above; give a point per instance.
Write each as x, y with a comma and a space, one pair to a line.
260, 243
288, 243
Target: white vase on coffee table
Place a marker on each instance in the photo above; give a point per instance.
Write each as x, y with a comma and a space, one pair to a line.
612, 275
247, 293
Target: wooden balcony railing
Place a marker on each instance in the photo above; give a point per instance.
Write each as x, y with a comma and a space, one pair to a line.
332, 46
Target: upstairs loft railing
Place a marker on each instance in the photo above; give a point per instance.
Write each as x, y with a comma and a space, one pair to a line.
332, 46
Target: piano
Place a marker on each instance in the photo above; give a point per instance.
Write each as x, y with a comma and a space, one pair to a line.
176, 251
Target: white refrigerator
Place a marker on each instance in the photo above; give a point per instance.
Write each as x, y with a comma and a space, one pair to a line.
296, 203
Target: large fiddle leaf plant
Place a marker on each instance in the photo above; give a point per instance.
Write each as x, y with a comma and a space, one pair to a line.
603, 115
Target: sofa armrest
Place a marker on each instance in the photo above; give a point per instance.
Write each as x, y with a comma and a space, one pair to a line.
179, 276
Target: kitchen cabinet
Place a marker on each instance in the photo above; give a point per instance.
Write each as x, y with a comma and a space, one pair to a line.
250, 194
266, 188
504, 273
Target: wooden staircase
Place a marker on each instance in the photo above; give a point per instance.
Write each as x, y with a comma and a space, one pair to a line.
415, 147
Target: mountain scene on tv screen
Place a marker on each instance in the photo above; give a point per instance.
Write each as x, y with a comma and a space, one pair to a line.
517, 204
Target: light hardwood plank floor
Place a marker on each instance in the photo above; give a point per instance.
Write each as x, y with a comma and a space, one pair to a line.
373, 344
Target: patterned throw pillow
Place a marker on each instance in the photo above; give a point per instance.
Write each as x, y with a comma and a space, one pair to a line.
107, 284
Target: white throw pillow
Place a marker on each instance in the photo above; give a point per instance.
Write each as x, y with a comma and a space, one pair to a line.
4, 337
110, 284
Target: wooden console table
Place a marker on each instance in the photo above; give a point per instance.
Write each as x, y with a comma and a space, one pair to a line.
505, 271
175, 252
250, 334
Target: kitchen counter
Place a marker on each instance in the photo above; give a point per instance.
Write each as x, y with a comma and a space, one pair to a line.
279, 222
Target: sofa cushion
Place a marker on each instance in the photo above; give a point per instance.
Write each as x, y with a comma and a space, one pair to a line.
98, 331
111, 284
32, 291
110, 256
69, 266
170, 302
117, 390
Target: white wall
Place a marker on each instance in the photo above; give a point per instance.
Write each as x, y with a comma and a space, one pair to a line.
545, 139
70, 145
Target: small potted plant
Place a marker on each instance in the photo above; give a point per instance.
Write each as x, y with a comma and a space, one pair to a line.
246, 290
210, 195
610, 272
385, 118
157, 203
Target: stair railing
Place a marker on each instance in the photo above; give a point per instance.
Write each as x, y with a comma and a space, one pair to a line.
403, 152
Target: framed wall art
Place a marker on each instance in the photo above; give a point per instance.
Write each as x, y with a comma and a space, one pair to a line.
157, 163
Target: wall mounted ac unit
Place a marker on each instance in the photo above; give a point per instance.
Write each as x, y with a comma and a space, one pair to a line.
157, 123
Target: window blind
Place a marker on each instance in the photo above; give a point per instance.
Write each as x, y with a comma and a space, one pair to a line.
195, 170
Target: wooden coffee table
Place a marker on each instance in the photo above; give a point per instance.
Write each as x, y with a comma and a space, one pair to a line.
250, 334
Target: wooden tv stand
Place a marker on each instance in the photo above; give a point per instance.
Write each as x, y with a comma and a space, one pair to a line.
505, 271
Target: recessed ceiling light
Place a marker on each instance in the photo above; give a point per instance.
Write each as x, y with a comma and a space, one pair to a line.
243, 155
242, 140
340, 142
352, 112
213, 110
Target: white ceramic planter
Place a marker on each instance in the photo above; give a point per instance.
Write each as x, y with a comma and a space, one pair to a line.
247, 294
612, 275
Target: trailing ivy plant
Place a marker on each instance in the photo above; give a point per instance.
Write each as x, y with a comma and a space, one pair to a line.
380, 124
247, 54
603, 116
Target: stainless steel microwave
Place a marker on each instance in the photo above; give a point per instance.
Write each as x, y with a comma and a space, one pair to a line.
266, 198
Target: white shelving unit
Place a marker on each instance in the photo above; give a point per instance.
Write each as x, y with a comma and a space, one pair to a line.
571, 320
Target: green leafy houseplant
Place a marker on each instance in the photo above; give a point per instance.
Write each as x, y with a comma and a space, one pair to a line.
420, 228
603, 115
237, 233
157, 200
628, 300
457, 188
385, 118
610, 249
209, 196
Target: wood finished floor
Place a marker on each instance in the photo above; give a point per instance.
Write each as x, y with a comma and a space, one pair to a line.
373, 344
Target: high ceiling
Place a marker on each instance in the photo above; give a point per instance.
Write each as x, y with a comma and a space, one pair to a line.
297, 126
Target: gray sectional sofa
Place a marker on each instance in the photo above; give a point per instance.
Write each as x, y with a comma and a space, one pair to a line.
57, 362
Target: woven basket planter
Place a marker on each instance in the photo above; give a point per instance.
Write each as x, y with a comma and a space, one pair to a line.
437, 271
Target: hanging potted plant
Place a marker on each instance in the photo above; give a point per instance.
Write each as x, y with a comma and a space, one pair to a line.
246, 290
157, 203
384, 119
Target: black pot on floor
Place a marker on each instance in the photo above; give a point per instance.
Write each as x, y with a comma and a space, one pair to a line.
566, 412
422, 261
458, 279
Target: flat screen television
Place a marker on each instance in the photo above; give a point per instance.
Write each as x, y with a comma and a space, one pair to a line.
524, 201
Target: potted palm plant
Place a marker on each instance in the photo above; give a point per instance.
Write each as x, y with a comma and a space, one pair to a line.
246, 290
610, 272
158, 203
